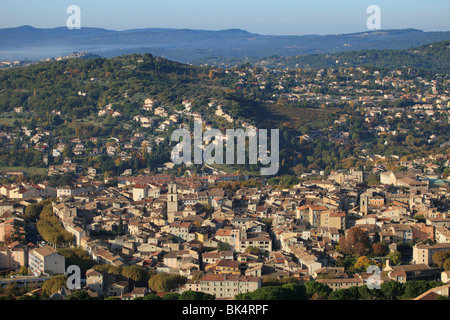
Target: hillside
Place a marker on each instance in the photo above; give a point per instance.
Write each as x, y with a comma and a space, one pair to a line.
433, 57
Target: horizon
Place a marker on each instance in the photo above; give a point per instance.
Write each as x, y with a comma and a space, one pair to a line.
228, 29
287, 17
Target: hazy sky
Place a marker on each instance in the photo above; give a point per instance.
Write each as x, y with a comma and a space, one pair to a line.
289, 17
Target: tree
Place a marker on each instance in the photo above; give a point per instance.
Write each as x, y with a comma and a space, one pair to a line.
32, 211
391, 289
171, 296
296, 291
356, 242
253, 250
223, 246
135, 273
447, 265
265, 293
362, 263
120, 228
78, 295
380, 249
413, 289
343, 294
54, 284
164, 282
77, 256
368, 294
440, 257
195, 295
317, 291
151, 297
395, 257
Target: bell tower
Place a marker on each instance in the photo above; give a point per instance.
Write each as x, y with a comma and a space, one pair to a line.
172, 201
364, 204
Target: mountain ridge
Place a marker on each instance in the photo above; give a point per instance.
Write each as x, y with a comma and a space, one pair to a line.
187, 45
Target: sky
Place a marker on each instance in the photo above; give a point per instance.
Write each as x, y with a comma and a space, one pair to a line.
269, 17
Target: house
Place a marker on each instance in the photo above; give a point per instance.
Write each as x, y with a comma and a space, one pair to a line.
227, 267
343, 283
116, 289
95, 281
434, 293
411, 272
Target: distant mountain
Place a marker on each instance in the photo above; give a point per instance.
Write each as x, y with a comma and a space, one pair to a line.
197, 46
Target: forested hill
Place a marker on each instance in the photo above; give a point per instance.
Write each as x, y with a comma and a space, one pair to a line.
433, 57
79, 88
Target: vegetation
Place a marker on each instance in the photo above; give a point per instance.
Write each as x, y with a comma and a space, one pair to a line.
50, 227
165, 282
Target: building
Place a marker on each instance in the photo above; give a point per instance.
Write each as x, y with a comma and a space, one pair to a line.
423, 253
95, 281
411, 272
342, 283
264, 244
13, 256
45, 260
228, 286
172, 201
227, 267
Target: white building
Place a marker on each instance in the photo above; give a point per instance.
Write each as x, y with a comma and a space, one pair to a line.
45, 260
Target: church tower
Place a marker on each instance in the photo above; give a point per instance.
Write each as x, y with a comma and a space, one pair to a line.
364, 204
172, 201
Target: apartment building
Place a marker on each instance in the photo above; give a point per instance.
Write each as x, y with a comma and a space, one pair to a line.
262, 243
13, 256
423, 253
227, 286
45, 260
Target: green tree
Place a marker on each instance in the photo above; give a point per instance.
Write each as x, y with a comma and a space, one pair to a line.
78, 295
136, 273
343, 294
171, 296
195, 295
54, 284
394, 257
32, 211
391, 289
295, 291
151, 297
369, 294
164, 282
413, 289
317, 291
223, 246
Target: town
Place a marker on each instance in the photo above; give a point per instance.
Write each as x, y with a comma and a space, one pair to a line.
363, 181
